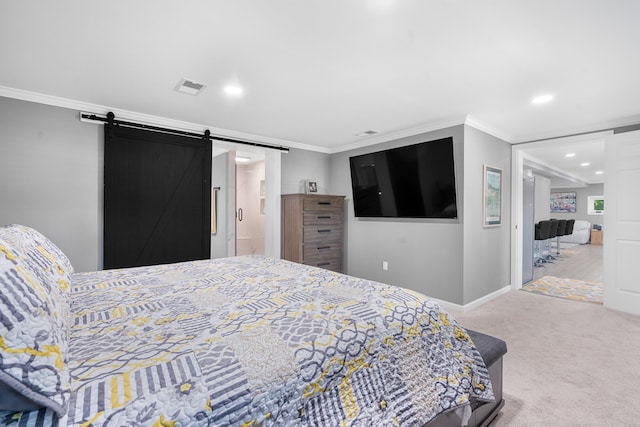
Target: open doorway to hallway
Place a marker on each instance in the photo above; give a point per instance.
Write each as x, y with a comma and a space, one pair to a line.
579, 262
580, 252
565, 165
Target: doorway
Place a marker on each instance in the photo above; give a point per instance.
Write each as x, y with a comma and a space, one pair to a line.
231, 201
528, 159
250, 204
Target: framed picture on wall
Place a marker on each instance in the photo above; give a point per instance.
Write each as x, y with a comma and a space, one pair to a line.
492, 196
595, 205
563, 202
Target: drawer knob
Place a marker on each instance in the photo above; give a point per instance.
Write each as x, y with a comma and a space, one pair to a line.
324, 217
324, 203
323, 247
324, 231
322, 264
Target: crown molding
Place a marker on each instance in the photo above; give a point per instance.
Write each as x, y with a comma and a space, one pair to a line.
429, 127
607, 126
483, 127
143, 118
551, 170
403, 133
573, 139
468, 120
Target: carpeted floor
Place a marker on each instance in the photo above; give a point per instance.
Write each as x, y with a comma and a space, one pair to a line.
568, 364
577, 290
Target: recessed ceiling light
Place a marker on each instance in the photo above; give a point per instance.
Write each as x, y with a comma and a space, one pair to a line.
542, 99
233, 90
585, 164
242, 159
570, 155
599, 172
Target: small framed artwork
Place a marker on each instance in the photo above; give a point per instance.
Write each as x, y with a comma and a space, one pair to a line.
311, 186
563, 202
492, 196
595, 205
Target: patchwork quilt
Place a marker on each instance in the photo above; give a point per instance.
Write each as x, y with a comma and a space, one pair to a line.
253, 341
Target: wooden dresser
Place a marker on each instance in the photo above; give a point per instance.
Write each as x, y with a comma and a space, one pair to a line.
312, 230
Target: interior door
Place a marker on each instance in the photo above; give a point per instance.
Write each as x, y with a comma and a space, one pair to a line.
622, 222
528, 227
157, 198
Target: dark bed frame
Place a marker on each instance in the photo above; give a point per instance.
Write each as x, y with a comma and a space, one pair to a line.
492, 350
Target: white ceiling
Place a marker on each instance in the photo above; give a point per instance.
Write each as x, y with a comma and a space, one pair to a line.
317, 72
569, 162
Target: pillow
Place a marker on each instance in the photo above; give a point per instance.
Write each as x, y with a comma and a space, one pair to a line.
43, 259
27, 239
34, 311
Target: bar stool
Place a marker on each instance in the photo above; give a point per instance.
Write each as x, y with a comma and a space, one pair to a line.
553, 230
569, 228
562, 226
541, 234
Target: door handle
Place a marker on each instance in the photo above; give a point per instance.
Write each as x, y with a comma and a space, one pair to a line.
240, 214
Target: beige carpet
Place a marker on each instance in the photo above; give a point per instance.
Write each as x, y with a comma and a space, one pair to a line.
568, 363
578, 290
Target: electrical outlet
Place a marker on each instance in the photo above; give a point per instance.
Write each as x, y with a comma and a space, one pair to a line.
385, 265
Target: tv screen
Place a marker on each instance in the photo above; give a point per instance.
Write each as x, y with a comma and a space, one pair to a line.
416, 181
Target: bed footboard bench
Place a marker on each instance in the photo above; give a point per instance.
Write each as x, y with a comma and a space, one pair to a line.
492, 350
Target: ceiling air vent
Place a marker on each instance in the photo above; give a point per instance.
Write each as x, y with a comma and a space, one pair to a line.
367, 133
189, 86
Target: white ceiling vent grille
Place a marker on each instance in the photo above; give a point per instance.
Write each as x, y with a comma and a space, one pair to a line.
367, 133
191, 87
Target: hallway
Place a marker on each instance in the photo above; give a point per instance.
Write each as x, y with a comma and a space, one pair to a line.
581, 262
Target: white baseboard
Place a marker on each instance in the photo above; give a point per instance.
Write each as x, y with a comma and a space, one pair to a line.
449, 306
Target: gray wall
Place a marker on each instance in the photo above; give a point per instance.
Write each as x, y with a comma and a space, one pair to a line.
487, 250
299, 165
542, 198
423, 255
581, 203
457, 261
51, 177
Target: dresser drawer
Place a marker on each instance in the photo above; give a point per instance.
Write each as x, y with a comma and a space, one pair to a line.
313, 230
333, 264
322, 234
320, 203
322, 218
322, 251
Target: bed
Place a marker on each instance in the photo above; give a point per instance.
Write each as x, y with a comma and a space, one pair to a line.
243, 341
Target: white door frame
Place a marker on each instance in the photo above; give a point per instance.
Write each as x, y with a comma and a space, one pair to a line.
272, 225
518, 157
517, 168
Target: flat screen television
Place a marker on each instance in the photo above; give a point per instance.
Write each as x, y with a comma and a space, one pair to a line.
415, 181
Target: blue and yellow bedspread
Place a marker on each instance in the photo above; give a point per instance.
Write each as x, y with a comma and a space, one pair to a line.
252, 341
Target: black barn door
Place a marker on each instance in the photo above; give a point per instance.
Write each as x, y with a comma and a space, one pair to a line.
157, 198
